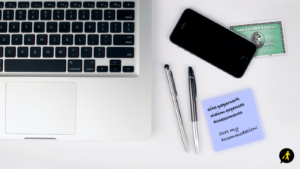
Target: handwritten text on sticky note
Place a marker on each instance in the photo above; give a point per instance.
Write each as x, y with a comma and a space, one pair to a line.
233, 120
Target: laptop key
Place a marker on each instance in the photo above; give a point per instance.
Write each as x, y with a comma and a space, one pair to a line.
23, 4
76, 4
39, 27
73, 52
80, 39
1, 4
89, 65
49, 4
34, 65
54, 39
58, 15
36, 4
88, 4
125, 15
46, 14
93, 39
123, 39
128, 4
26, 27
77, 27
109, 14
128, 69
29, 39
67, 39
71, 15
102, 69
64, 27
14, 27
35, 52
8, 15
42, 39
96, 14
84, 15
20, 14
1, 52
86, 52
102, 4
102, 27
51, 26
1, 65
74, 65
23, 52
115, 4
115, 66
115, 27
120, 52
3, 26
90, 27
99, 52
4, 39
105, 39
10, 52
16, 39
10, 4
48, 52
60, 52
33, 15
128, 27
62, 4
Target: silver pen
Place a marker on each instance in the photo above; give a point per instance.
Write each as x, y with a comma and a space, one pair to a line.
193, 96
175, 102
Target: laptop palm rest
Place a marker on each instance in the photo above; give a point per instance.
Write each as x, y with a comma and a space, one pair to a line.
42, 108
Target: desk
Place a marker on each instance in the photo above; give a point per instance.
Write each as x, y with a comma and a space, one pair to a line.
275, 83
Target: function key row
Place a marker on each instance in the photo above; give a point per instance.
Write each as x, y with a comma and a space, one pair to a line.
66, 27
41, 65
67, 39
95, 14
74, 4
63, 52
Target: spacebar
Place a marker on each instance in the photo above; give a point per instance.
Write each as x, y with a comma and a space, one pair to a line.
31, 65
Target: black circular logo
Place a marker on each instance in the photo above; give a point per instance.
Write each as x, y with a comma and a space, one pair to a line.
286, 155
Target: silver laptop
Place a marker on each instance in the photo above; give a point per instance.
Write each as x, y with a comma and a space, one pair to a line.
75, 70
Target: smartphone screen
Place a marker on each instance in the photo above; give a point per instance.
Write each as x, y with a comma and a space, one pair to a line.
213, 43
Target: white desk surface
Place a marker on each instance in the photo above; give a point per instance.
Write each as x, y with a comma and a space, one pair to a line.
275, 82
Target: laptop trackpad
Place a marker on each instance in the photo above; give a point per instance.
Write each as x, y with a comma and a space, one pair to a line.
40, 108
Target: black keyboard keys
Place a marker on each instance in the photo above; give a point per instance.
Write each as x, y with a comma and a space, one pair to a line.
55, 39
77, 27
76, 4
123, 39
128, 69
90, 27
62, 4
99, 52
71, 15
49, 4
73, 52
35, 52
60, 52
1, 64
23, 4
10, 52
20, 14
80, 39
36, 4
88, 4
93, 39
3, 26
102, 69
46, 14
14, 27
102, 4
8, 15
109, 15
35, 65
51, 26
89, 65
74, 65
10, 4
42, 39
128, 4
4, 39
105, 39
29, 39
16, 39
64, 27
102, 27
48, 52
33, 15
1, 4
39, 27
67, 39
128, 27
115, 27
23, 52
84, 15
125, 15
120, 52
86, 52
115, 66
115, 4
58, 14
1, 53
96, 14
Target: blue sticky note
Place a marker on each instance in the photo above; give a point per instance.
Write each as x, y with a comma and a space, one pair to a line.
233, 120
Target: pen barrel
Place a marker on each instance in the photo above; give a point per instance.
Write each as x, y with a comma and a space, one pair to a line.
193, 103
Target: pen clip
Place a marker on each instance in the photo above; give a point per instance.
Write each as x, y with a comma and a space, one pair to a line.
195, 86
173, 82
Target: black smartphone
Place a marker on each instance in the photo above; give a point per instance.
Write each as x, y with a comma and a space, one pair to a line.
213, 43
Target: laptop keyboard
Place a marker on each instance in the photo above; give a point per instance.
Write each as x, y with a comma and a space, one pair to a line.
68, 37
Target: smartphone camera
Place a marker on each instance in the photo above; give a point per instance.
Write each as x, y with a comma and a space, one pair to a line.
245, 60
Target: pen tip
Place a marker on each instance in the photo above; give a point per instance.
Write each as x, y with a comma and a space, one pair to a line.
166, 66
